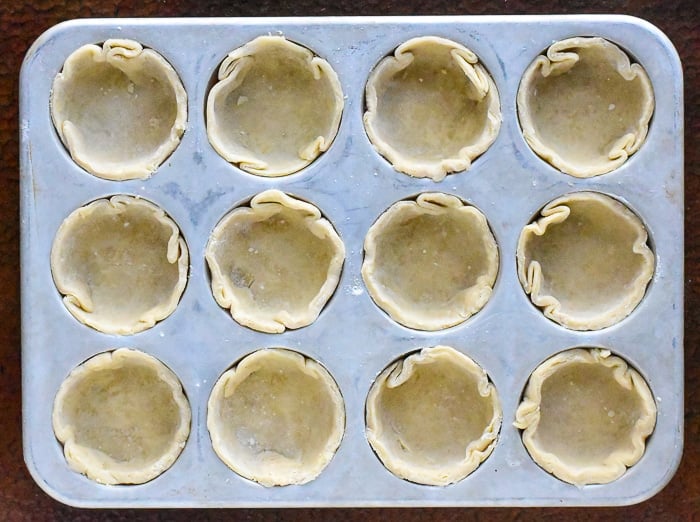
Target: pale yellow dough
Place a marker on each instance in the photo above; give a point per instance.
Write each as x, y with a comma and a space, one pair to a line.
585, 261
583, 107
122, 417
275, 263
120, 109
275, 108
276, 418
586, 416
431, 108
430, 263
120, 263
433, 416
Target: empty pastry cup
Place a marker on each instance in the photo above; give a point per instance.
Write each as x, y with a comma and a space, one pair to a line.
585, 416
583, 107
430, 263
431, 108
274, 264
120, 264
433, 416
275, 108
276, 417
585, 261
122, 417
119, 109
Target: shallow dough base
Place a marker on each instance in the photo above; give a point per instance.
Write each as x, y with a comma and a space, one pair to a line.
120, 264
275, 108
120, 109
583, 107
585, 416
431, 108
276, 418
274, 264
122, 417
585, 261
430, 263
433, 417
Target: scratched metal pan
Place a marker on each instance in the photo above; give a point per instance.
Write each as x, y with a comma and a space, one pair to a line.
352, 185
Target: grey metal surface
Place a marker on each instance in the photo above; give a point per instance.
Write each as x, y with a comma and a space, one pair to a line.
352, 185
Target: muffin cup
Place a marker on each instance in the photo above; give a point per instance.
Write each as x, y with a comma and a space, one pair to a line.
584, 107
276, 418
432, 108
433, 416
120, 264
275, 108
119, 109
585, 416
122, 417
274, 264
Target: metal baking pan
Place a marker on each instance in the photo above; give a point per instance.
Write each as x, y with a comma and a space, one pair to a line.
352, 185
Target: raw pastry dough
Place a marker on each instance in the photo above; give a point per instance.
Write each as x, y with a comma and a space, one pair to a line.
120, 264
274, 264
585, 416
433, 417
430, 263
120, 109
275, 108
585, 262
276, 418
583, 107
431, 108
122, 417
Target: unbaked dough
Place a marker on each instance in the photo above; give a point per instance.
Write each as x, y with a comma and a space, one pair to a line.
585, 262
275, 263
276, 418
120, 264
122, 417
119, 109
585, 416
430, 263
584, 107
431, 108
433, 416
275, 108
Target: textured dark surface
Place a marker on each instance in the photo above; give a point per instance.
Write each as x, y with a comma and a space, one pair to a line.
20, 25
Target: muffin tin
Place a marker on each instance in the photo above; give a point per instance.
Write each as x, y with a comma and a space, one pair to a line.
352, 185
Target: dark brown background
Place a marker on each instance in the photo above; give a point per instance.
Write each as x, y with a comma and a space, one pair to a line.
20, 25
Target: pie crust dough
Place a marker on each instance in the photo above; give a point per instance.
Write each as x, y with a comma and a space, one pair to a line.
431, 108
585, 261
120, 264
276, 418
119, 109
583, 107
433, 416
122, 417
586, 416
275, 108
275, 263
430, 263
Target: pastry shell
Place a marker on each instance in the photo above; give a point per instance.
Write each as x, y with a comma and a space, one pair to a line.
274, 264
433, 416
275, 108
276, 418
430, 263
585, 416
585, 262
122, 417
431, 108
119, 109
583, 107
120, 264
